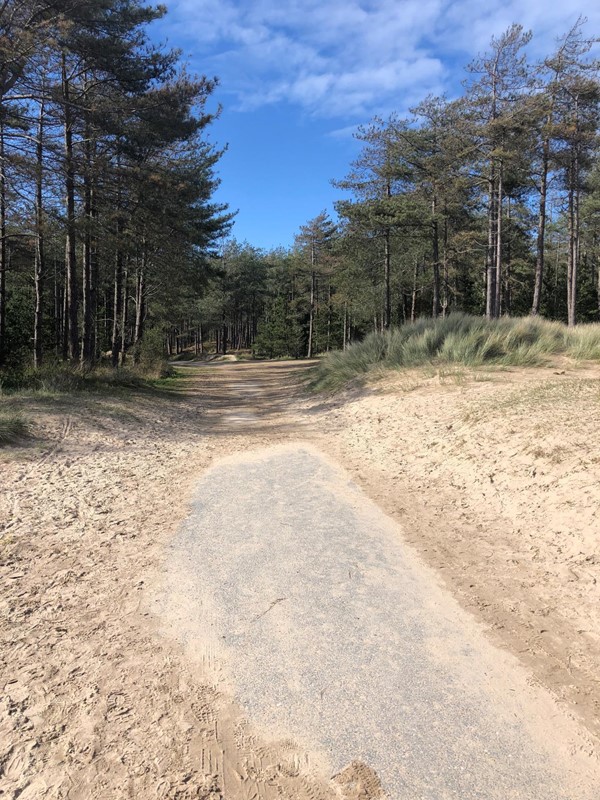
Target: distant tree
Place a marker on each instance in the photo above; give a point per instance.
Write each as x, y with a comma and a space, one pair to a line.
377, 180
494, 103
314, 242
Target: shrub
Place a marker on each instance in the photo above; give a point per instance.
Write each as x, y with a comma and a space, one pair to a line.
150, 358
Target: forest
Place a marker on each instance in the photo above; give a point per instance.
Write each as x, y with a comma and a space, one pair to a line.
112, 246
106, 213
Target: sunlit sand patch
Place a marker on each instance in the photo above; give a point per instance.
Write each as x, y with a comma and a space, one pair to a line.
247, 388
241, 418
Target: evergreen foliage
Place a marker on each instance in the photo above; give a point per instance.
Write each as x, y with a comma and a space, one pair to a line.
107, 221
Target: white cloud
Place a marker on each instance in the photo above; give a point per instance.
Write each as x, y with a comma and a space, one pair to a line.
350, 59
347, 132
474, 22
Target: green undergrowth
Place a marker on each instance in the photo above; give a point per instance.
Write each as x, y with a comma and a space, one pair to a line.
67, 379
459, 339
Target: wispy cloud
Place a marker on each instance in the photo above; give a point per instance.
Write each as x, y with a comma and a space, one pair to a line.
348, 59
347, 132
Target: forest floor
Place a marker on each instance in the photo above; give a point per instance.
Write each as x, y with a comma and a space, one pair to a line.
492, 475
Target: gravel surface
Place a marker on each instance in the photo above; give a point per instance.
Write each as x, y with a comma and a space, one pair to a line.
330, 631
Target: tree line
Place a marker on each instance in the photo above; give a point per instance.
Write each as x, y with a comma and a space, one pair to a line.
110, 241
488, 203
107, 222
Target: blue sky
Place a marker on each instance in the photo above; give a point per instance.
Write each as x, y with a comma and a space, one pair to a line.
297, 76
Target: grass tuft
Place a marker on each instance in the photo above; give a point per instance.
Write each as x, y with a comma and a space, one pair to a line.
460, 339
12, 428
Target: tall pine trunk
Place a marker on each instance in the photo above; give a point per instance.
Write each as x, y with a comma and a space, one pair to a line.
498, 264
329, 311
570, 258
117, 302
224, 336
311, 318
573, 254
387, 271
72, 299
435, 246
124, 314
40, 261
490, 258
140, 310
596, 275
88, 339
446, 283
541, 231
386, 320
413, 305
3, 247
508, 269
491, 252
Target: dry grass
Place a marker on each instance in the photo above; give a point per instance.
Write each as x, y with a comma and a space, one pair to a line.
13, 428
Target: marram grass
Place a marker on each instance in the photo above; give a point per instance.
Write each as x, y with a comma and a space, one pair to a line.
12, 429
460, 339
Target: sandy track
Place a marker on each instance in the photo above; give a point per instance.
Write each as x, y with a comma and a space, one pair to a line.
97, 703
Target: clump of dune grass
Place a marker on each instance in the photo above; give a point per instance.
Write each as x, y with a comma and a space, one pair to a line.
583, 342
460, 339
13, 428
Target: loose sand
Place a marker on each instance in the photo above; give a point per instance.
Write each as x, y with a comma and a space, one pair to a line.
495, 482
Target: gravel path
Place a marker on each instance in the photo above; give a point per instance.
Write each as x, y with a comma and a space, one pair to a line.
328, 630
